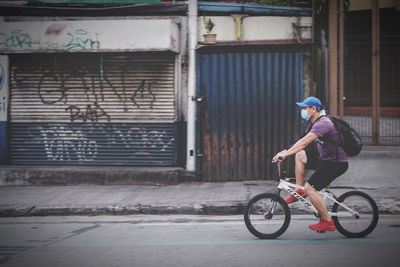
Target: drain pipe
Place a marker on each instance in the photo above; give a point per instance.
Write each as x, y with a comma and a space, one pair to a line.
191, 112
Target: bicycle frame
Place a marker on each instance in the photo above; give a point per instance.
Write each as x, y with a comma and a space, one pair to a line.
290, 188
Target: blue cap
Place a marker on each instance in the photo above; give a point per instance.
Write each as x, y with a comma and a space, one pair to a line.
310, 102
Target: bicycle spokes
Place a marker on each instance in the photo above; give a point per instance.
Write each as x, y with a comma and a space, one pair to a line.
267, 216
356, 215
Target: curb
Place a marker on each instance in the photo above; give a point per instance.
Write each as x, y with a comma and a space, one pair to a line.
215, 208
14, 175
386, 206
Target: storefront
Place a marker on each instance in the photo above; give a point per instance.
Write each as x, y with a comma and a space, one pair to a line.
81, 92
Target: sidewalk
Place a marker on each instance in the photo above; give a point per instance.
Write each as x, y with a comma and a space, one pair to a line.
186, 198
375, 171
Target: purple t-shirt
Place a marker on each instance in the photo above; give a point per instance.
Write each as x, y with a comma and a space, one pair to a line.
325, 129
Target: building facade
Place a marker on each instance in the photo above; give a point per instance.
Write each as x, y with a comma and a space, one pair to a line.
111, 89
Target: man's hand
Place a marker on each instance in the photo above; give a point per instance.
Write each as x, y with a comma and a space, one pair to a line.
280, 156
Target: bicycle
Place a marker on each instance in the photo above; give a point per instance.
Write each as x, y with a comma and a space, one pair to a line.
267, 215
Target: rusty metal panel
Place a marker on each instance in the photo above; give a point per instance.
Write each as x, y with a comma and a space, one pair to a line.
93, 109
249, 111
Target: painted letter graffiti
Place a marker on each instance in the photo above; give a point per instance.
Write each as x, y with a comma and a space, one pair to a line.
17, 39
65, 145
92, 113
76, 40
75, 143
144, 90
80, 39
48, 94
58, 87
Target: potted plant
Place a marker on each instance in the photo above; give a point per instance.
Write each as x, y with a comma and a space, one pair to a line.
209, 38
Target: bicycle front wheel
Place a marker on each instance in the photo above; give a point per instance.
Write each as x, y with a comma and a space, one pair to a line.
267, 216
363, 221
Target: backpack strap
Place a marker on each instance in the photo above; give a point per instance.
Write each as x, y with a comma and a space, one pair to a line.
340, 136
333, 142
311, 124
309, 127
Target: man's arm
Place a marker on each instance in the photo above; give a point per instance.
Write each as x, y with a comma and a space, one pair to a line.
298, 146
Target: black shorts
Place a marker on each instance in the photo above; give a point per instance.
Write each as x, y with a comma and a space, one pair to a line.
312, 154
326, 172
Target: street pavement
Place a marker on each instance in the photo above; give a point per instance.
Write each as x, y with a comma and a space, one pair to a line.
375, 171
188, 241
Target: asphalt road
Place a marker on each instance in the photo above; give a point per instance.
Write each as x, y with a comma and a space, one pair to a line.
186, 241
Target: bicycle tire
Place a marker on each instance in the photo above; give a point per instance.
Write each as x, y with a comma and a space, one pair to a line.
274, 226
365, 205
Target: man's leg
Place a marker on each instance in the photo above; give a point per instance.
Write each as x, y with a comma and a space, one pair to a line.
318, 201
300, 167
326, 224
322, 177
300, 172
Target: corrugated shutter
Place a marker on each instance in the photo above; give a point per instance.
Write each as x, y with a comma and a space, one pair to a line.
93, 108
249, 112
92, 87
93, 143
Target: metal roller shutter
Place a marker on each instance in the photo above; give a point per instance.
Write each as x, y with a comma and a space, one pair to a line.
248, 113
92, 108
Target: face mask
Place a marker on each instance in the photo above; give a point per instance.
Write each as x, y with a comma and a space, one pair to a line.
305, 115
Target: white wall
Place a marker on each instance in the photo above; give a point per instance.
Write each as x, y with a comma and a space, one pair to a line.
94, 35
138, 34
274, 28
257, 28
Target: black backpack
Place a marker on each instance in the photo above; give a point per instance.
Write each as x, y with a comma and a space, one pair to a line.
350, 140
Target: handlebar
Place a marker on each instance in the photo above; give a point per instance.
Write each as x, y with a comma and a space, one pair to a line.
275, 161
278, 165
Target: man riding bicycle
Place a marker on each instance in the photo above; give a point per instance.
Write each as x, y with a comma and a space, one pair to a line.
329, 161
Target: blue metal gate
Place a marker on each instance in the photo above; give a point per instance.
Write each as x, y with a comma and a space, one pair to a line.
135, 144
249, 111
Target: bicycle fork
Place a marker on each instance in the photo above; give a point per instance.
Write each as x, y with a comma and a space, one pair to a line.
271, 213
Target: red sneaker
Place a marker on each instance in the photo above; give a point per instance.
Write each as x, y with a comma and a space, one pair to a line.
292, 199
323, 225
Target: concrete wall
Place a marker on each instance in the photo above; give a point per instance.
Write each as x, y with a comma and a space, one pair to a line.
94, 35
141, 34
258, 28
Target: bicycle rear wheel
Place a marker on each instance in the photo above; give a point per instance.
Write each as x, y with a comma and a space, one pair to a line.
267, 216
356, 226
